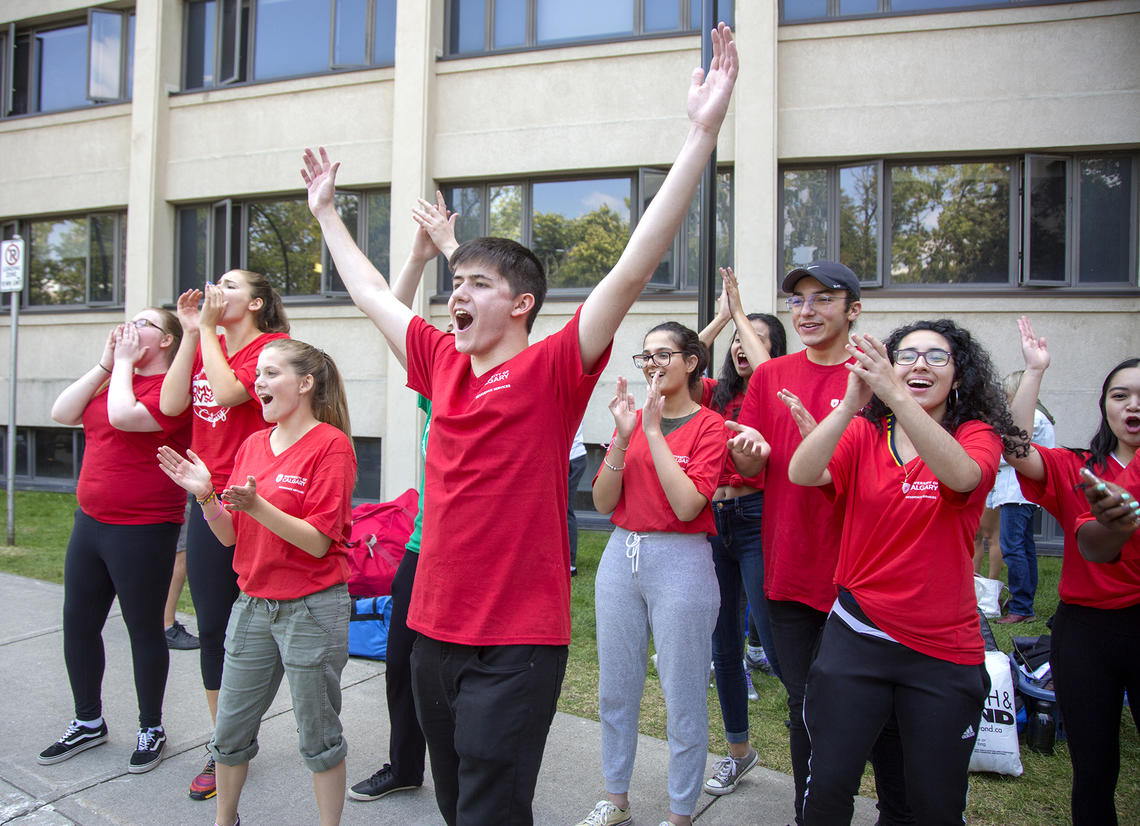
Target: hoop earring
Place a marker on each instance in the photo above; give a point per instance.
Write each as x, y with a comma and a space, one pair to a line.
953, 400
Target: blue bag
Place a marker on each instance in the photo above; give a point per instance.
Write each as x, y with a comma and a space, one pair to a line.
368, 627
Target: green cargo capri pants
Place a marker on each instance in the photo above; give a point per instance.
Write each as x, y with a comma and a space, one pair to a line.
303, 639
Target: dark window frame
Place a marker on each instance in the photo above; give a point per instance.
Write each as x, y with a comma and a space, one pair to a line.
227, 245
834, 10
241, 28
30, 480
1020, 251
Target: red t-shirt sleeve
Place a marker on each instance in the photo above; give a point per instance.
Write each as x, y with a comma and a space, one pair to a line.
982, 445
328, 507
707, 457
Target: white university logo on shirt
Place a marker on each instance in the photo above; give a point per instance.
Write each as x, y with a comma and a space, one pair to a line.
205, 405
296, 484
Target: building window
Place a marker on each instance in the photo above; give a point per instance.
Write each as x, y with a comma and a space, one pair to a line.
368, 457
481, 26
579, 227
233, 41
810, 11
73, 260
57, 67
1038, 220
279, 238
46, 457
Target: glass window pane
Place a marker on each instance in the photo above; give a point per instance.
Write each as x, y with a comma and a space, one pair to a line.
803, 9
193, 244
21, 452
284, 243
560, 21
853, 7
128, 87
199, 69
690, 278
367, 468
805, 217
664, 15
286, 33
61, 56
1106, 233
859, 220
505, 211
927, 5
106, 52
102, 276
725, 11
665, 274
1048, 200
351, 33
231, 57
510, 23
380, 231
384, 37
468, 26
20, 101
950, 223
580, 228
348, 208
55, 453
57, 261
468, 202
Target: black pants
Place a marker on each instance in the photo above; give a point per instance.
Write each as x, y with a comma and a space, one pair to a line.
796, 632
133, 562
406, 740
1095, 656
213, 587
486, 712
854, 685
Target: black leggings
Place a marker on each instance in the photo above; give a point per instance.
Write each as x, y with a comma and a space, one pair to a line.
133, 562
406, 745
1095, 656
213, 587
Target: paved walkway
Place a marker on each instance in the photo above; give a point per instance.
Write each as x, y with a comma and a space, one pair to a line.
94, 788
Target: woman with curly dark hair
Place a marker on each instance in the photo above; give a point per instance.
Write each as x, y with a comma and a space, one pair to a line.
909, 454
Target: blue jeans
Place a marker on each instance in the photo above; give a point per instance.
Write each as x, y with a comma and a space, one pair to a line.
1019, 553
739, 561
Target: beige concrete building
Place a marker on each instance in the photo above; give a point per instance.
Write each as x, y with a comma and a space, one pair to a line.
979, 162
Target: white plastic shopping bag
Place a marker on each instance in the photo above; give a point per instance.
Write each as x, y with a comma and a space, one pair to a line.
997, 749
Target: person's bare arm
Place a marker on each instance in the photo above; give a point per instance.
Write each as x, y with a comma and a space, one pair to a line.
754, 348
1036, 355
808, 465
227, 388
611, 299
69, 405
292, 529
124, 410
1117, 514
368, 289
175, 396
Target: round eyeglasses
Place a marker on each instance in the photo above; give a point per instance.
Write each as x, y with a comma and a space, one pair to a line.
817, 301
935, 357
661, 358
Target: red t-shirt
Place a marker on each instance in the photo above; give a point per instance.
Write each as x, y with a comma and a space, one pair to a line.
312, 479
120, 481
728, 473
1094, 584
698, 447
800, 528
219, 431
907, 557
494, 563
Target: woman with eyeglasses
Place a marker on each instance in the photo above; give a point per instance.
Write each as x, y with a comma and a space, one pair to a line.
738, 556
1095, 644
213, 377
656, 573
125, 532
909, 454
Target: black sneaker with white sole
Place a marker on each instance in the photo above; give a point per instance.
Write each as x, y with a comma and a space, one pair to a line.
380, 784
77, 738
148, 754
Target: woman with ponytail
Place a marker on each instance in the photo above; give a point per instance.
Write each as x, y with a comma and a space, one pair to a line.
287, 510
213, 375
656, 573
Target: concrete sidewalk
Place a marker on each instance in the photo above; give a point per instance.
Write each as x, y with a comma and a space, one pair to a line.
95, 789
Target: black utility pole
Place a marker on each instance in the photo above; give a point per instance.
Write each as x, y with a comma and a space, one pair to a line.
706, 256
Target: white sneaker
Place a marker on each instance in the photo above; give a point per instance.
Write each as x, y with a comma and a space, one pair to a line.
607, 814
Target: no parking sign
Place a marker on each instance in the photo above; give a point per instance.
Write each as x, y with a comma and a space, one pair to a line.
12, 266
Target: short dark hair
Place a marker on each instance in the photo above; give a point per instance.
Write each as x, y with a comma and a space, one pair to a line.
690, 344
510, 259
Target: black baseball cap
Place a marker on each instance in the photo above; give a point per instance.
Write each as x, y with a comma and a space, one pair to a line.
830, 274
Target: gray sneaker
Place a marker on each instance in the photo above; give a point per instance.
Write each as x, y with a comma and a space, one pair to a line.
177, 637
728, 771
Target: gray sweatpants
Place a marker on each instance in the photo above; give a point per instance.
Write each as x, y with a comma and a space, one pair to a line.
662, 583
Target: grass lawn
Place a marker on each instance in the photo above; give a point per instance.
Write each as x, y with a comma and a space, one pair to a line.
1040, 797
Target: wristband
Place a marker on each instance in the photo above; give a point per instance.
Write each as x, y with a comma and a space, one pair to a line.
611, 467
205, 500
215, 516
108, 369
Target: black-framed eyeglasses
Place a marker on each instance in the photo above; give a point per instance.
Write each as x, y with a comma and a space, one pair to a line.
816, 301
935, 357
142, 322
661, 358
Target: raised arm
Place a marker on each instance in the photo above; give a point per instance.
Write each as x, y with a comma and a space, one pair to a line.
175, 396
224, 384
124, 410
808, 465
753, 346
681, 493
1036, 356
720, 320
365, 285
608, 486
69, 405
608, 303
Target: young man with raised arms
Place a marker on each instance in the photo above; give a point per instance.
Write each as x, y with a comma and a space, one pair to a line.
491, 598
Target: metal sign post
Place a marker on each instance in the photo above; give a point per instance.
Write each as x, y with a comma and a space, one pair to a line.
12, 267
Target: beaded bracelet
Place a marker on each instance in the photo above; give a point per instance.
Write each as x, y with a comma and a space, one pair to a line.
611, 467
205, 500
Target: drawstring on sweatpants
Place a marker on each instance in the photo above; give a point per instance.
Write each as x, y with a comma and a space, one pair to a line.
632, 549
